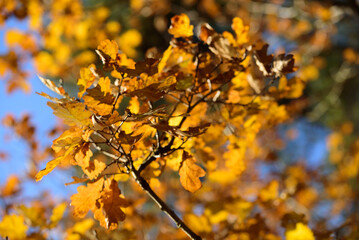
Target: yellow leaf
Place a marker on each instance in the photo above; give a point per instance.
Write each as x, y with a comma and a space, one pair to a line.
190, 173
49, 167
78, 229
301, 232
270, 192
241, 30
57, 214
110, 213
128, 41
180, 26
134, 106
70, 138
198, 223
85, 199
73, 113
100, 98
164, 59
13, 227
110, 48
87, 78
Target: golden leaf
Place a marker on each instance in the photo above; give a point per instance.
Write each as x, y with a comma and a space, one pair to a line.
57, 214
11, 186
270, 192
86, 198
73, 113
180, 26
87, 78
301, 232
78, 229
100, 98
83, 155
110, 213
94, 168
49, 167
190, 173
110, 48
241, 30
13, 227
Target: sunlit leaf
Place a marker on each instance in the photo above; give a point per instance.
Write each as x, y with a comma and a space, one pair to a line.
190, 173
109, 212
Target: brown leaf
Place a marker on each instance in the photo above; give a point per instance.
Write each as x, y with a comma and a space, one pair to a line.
262, 60
283, 64
109, 205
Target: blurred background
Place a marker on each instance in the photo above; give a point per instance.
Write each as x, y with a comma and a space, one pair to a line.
318, 148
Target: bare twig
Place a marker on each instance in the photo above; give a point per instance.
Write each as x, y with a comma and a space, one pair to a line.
162, 205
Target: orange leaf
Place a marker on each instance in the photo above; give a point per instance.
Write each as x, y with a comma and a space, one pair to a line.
94, 168
86, 198
11, 187
180, 26
110, 212
190, 173
83, 155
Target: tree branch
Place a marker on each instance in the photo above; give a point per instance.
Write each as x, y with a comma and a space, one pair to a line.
162, 205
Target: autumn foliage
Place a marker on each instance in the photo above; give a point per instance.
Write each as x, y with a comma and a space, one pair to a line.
181, 132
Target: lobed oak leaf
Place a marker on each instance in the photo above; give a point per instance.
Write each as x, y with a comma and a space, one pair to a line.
180, 26
87, 78
73, 113
109, 205
70, 138
86, 198
100, 98
83, 155
263, 61
94, 169
109, 47
190, 173
217, 43
283, 64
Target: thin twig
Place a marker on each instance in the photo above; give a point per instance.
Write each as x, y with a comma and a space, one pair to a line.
162, 205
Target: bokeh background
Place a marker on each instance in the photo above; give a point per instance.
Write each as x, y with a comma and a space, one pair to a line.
55, 39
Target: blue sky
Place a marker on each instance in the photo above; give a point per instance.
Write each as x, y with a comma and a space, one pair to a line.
18, 104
